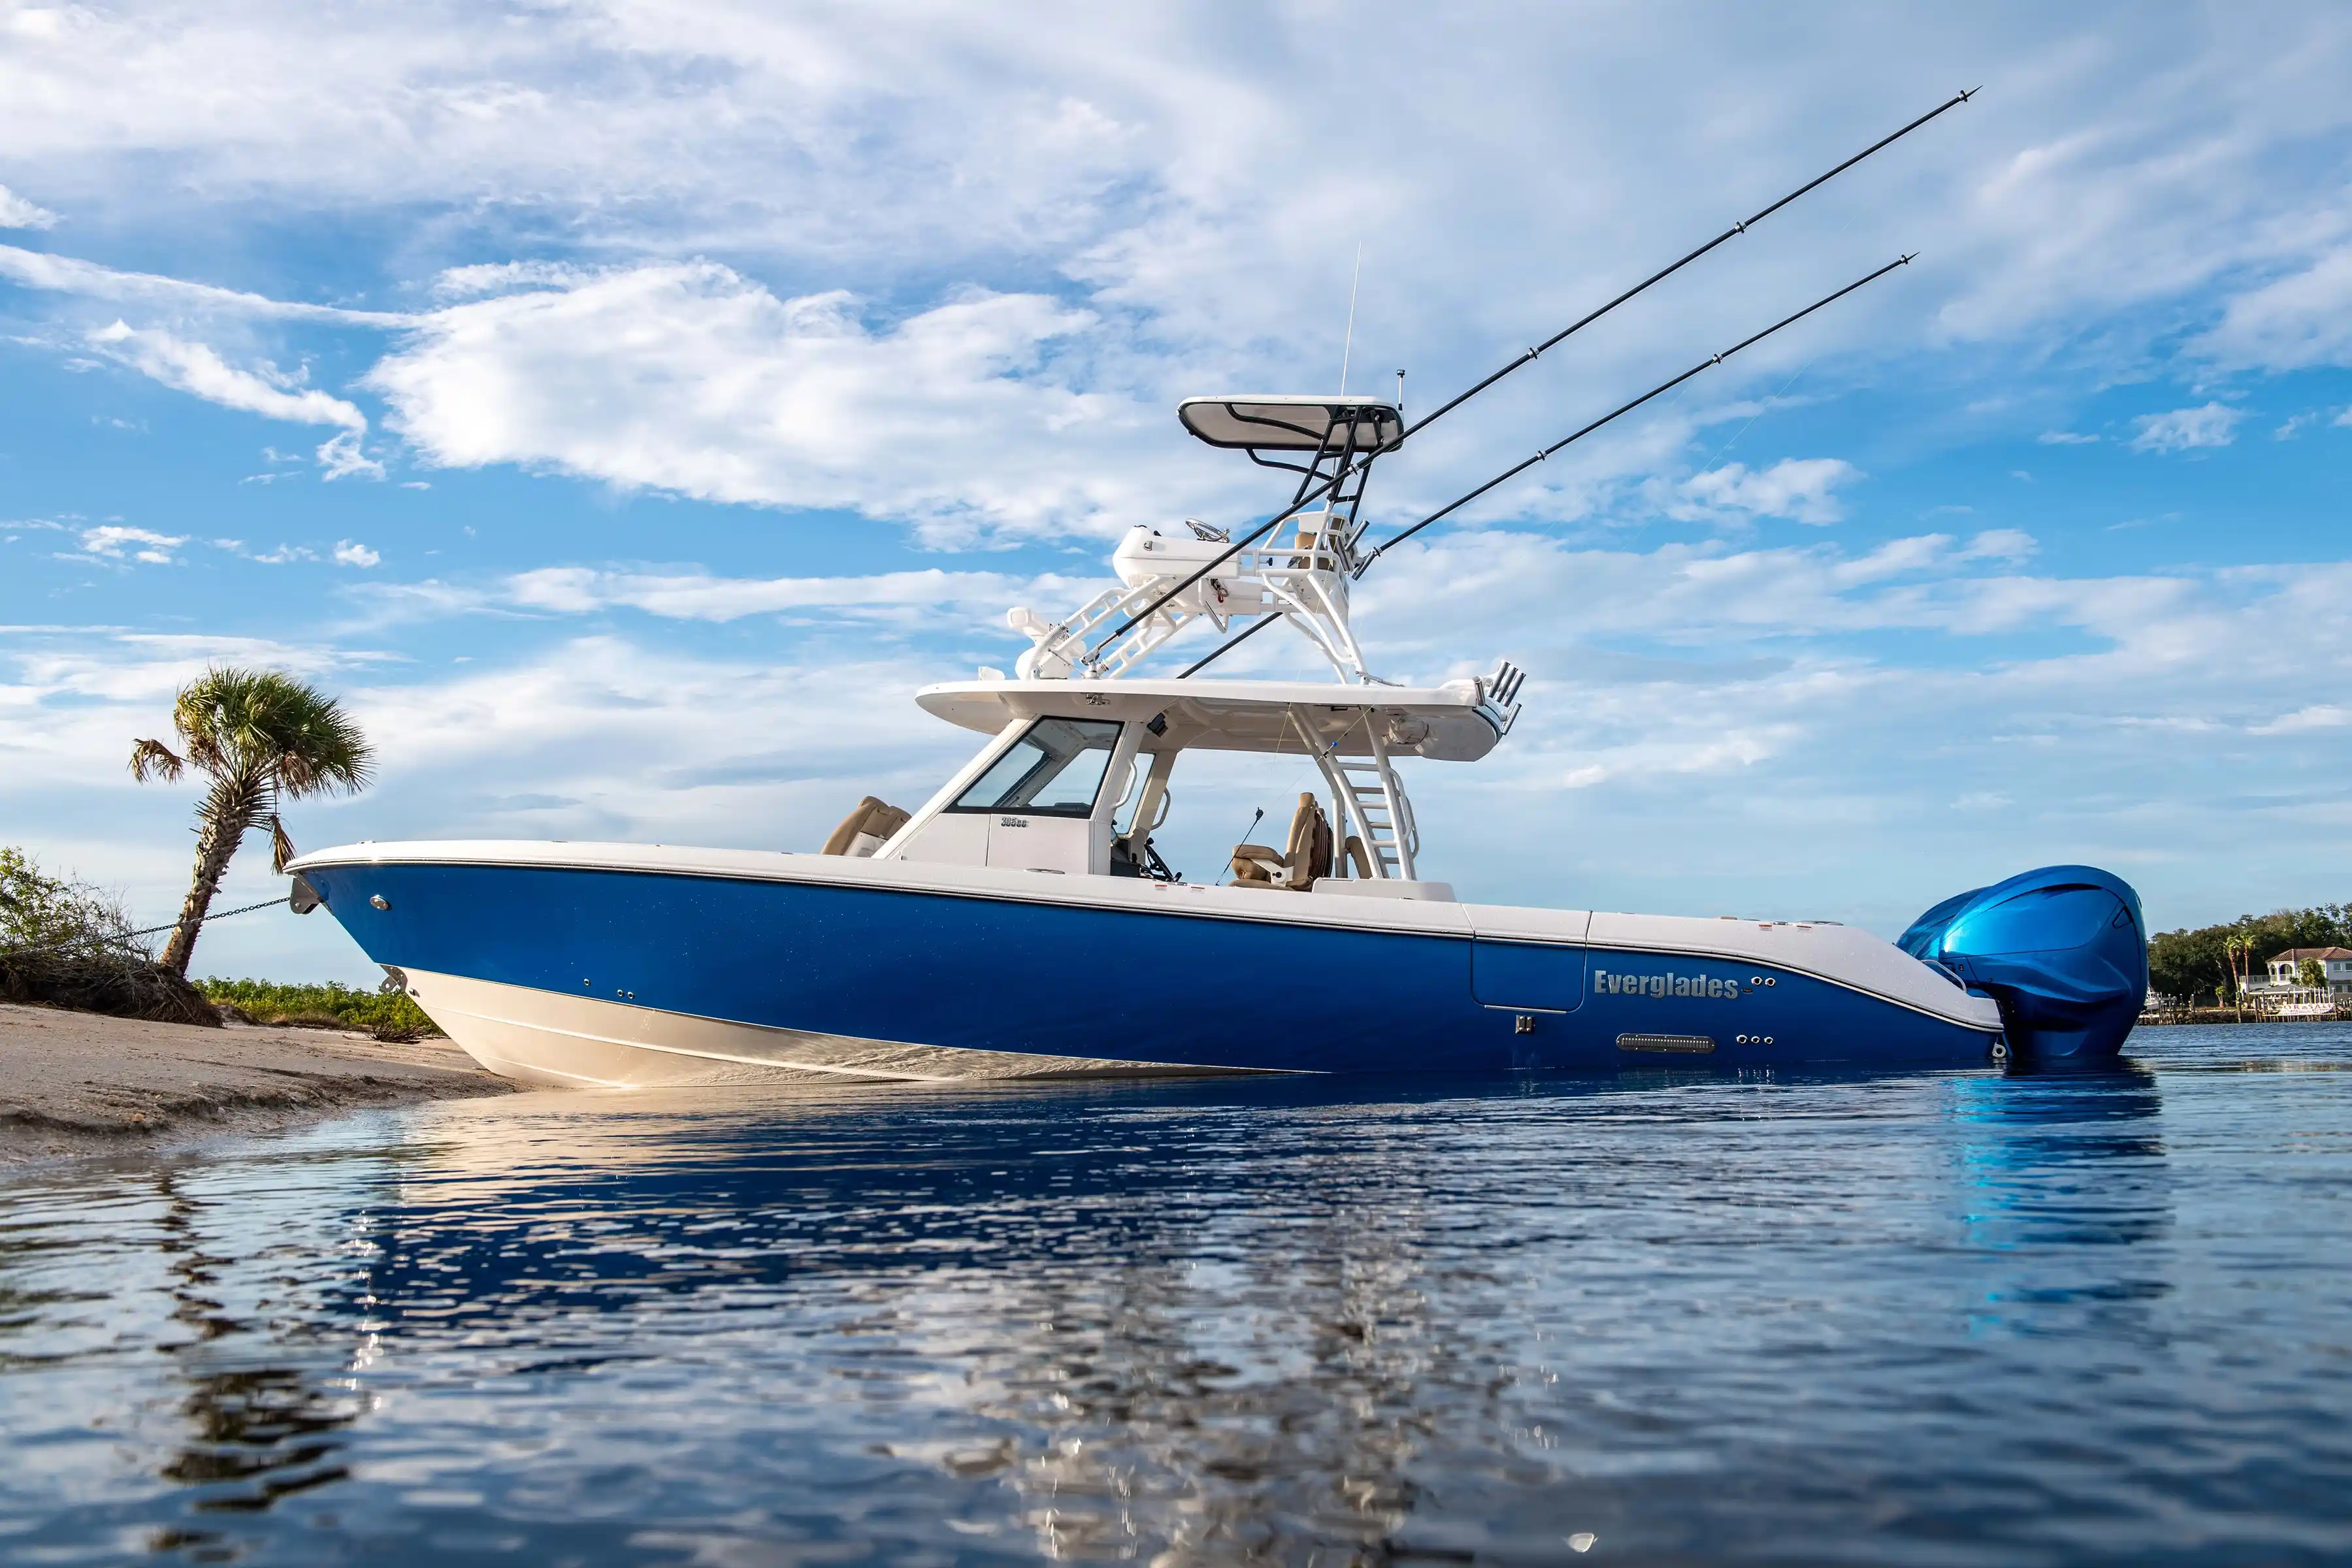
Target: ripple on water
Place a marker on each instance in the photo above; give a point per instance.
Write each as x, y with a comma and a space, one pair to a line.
1944, 1317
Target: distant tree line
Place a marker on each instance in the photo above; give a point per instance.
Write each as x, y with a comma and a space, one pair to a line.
2190, 966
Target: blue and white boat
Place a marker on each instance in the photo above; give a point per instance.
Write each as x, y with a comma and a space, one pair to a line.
1020, 924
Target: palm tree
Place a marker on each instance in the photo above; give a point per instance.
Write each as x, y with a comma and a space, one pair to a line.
263, 737
2238, 945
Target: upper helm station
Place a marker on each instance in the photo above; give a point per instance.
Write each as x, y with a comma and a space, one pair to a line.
1075, 777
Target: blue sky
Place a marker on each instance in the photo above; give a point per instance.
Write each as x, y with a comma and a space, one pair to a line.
624, 407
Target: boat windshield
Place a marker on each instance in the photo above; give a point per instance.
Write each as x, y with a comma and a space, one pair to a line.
1056, 769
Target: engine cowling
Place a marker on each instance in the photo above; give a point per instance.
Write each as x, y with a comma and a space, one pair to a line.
2062, 949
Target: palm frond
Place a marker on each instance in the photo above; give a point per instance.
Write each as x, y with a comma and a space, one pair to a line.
272, 728
324, 752
154, 757
282, 852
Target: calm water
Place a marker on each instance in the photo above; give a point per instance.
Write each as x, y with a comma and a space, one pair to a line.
1935, 1318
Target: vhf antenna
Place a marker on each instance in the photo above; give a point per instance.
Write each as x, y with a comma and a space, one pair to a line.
1348, 347
1314, 493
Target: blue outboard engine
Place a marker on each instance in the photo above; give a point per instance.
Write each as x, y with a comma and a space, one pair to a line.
2063, 950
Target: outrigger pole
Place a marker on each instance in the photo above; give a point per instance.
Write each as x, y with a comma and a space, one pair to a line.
1309, 493
1742, 226
1526, 463
1707, 364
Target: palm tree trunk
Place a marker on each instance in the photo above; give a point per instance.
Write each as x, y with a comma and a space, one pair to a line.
228, 806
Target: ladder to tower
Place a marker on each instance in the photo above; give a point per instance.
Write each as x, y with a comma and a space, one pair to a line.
1371, 798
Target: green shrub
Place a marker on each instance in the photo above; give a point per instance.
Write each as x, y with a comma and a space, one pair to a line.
380, 1013
56, 914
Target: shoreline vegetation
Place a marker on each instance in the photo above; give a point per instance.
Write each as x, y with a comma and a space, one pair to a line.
386, 1015
68, 944
2186, 967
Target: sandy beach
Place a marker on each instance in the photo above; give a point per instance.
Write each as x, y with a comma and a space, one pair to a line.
80, 1083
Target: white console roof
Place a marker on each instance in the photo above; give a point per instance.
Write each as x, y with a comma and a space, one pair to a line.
1450, 722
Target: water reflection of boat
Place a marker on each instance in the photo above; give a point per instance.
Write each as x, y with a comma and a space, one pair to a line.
1023, 922
1274, 1317
2075, 1157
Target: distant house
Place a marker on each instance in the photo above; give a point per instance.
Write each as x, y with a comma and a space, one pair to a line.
2334, 963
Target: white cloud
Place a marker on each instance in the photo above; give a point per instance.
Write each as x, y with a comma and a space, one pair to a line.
507, 276
1173, 198
193, 368
351, 554
340, 458
2007, 544
196, 369
2065, 438
694, 379
2302, 319
1795, 488
15, 212
2317, 716
86, 279
2186, 429
1177, 191
279, 556
1543, 593
111, 541
570, 590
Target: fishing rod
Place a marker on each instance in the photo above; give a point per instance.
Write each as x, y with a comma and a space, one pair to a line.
1707, 364
1349, 463
1223, 649
1526, 463
1742, 226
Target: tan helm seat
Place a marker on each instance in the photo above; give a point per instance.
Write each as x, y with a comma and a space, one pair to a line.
1256, 866
1305, 858
865, 828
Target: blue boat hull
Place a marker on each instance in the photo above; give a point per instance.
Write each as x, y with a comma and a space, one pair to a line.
1034, 979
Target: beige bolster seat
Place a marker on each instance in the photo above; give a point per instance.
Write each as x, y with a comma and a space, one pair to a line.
865, 828
1307, 857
